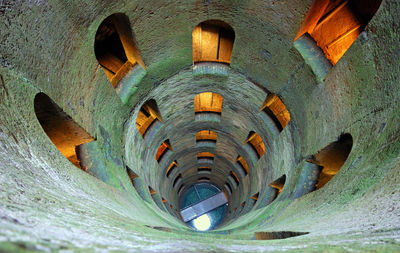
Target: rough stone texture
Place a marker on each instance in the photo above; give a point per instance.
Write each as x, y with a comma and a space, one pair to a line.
47, 204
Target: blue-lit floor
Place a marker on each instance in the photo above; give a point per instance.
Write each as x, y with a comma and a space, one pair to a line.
197, 193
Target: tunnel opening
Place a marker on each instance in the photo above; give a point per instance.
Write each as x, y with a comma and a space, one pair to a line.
177, 180
331, 158
115, 48
205, 157
242, 166
254, 199
206, 170
171, 168
61, 129
277, 235
278, 185
208, 106
162, 150
276, 110
213, 42
334, 25
234, 178
206, 138
148, 117
256, 143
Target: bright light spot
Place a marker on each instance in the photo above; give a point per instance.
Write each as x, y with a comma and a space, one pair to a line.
202, 223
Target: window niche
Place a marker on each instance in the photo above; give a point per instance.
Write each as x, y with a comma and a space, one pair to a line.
180, 190
204, 179
206, 138
228, 188
256, 143
274, 109
163, 149
177, 180
171, 168
118, 55
278, 184
233, 179
152, 191
331, 158
149, 120
208, 106
62, 130
205, 157
242, 166
329, 29
132, 175
137, 183
253, 199
212, 45
204, 170
157, 199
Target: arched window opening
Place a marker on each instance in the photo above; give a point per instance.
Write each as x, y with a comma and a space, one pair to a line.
228, 188
152, 191
204, 179
115, 48
132, 175
180, 190
177, 179
147, 116
213, 42
331, 158
208, 102
254, 199
242, 165
204, 170
62, 130
162, 150
205, 157
278, 185
276, 110
333, 25
157, 199
234, 177
137, 183
171, 168
206, 135
206, 138
256, 143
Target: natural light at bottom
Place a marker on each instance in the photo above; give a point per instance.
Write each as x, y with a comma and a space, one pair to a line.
202, 223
